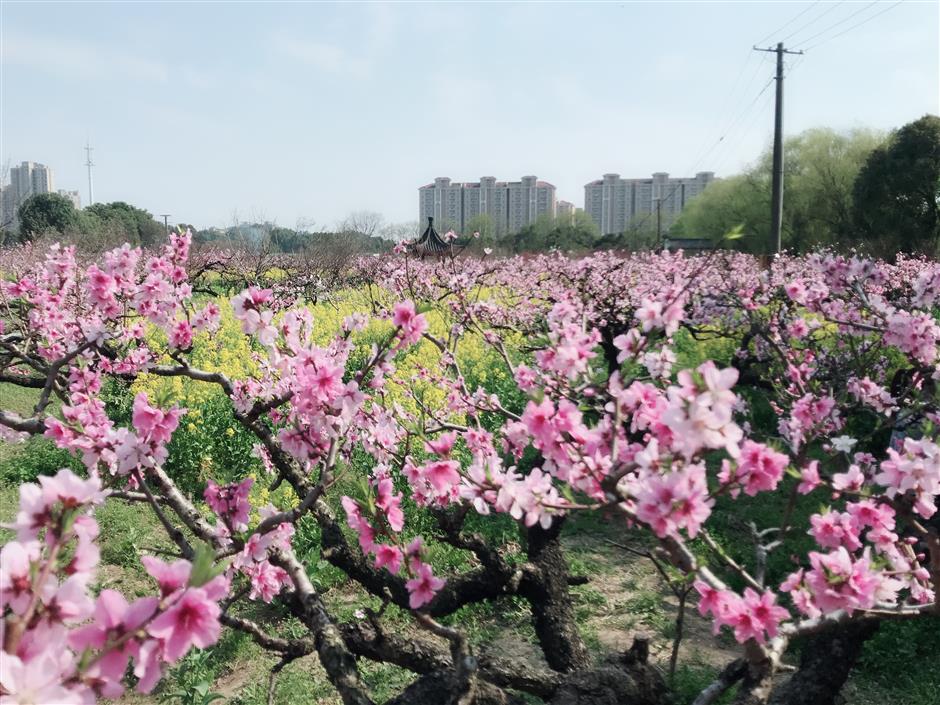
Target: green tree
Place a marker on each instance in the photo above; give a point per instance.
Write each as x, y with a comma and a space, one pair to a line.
45, 211
483, 224
287, 240
897, 193
547, 233
135, 224
820, 168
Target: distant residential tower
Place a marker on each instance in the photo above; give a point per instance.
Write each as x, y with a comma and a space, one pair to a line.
615, 204
509, 206
27, 179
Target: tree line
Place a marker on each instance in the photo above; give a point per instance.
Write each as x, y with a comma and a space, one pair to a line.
853, 189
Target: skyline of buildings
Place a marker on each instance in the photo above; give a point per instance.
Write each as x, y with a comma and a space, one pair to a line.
613, 203
29, 179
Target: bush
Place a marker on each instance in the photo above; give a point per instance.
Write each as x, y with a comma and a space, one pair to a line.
37, 456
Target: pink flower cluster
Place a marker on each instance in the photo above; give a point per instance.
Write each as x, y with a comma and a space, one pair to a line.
915, 470
758, 469
255, 319
837, 581
61, 644
88, 430
810, 417
266, 579
411, 324
392, 555
751, 616
230, 502
917, 334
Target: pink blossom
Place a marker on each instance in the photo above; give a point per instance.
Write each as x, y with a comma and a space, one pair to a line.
442, 445
412, 324
154, 424
390, 502
169, 576
113, 617
917, 471
389, 557
36, 681
69, 490
834, 529
442, 475
809, 477
192, 620
836, 581
267, 580
181, 335
423, 587
850, 480
759, 468
15, 579
230, 502
357, 522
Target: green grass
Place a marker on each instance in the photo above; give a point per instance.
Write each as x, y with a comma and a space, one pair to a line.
898, 665
19, 400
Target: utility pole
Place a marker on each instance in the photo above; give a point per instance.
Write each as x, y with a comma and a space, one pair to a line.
89, 163
776, 205
166, 223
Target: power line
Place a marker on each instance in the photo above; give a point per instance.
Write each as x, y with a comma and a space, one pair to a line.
842, 21
737, 120
749, 126
857, 24
795, 64
663, 199
812, 21
746, 130
719, 127
733, 119
720, 141
734, 85
788, 23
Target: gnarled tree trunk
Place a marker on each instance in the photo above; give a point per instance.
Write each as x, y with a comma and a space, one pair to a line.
546, 588
825, 664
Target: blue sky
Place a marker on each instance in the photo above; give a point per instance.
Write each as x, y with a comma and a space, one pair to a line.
281, 111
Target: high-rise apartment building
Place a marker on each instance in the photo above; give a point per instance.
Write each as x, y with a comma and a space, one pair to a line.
8, 206
510, 206
73, 196
565, 211
528, 199
30, 178
615, 204
27, 179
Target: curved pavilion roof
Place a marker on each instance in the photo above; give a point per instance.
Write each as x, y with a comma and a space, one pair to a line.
430, 243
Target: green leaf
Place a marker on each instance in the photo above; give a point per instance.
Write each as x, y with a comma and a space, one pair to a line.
204, 567
736, 233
